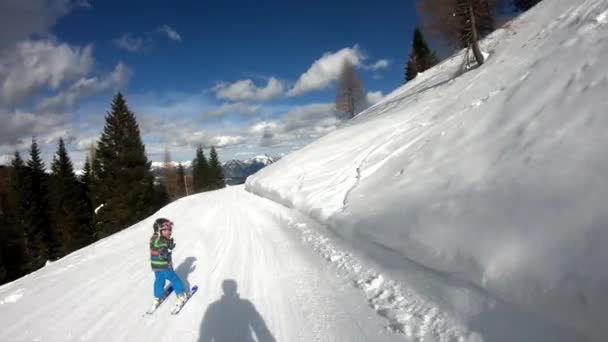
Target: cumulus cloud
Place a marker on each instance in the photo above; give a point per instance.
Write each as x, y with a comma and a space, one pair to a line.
20, 19
326, 70
36, 64
225, 141
134, 43
373, 97
244, 90
302, 123
84, 87
17, 125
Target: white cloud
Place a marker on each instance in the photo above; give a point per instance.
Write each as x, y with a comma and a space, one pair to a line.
135, 43
224, 141
261, 127
84, 4
244, 90
301, 124
20, 19
17, 125
84, 144
85, 87
36, 64
130, 42
227, 109
170, 32
373, 97
326, 70
381, 64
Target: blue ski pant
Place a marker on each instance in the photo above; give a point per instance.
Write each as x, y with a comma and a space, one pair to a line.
160, 277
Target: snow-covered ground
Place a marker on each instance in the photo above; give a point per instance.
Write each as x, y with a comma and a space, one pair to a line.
494, 180
458, 208
101, 292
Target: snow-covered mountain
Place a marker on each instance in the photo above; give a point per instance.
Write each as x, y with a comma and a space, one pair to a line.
461, 207
236, 171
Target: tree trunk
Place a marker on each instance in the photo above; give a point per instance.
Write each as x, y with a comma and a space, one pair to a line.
474, 45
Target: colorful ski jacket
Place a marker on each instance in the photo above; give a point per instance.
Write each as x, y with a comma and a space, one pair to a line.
160, 252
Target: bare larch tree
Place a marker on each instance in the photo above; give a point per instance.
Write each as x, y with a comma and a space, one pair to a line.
350, 99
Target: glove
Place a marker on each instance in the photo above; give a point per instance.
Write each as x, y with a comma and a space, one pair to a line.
171, 244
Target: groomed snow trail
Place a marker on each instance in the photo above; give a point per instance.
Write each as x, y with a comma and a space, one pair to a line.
100, 293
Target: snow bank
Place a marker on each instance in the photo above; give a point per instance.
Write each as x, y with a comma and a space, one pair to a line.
497, 177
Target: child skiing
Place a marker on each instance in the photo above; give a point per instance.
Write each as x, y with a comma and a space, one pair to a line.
161, 246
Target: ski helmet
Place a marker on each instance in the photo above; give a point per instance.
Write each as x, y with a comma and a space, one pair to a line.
159, 223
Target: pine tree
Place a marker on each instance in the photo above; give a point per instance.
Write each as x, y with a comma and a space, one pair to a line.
37, 197
216, 174
20, 218
200, 172
161, 197
181, 180
123, 182
86, 183
350, 99
68, 210
11, 246
421, 56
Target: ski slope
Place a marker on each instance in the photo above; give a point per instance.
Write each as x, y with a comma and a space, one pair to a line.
101, 292
461, 207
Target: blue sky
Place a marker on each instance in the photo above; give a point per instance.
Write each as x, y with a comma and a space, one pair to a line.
249, 77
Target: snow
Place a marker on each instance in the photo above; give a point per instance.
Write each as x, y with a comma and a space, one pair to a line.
262, 159
495, 179
160, 165
100, 293
461, 207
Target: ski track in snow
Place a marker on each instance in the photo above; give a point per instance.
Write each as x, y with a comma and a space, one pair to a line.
406, 312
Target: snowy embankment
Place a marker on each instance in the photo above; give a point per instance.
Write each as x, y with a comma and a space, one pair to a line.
494, 181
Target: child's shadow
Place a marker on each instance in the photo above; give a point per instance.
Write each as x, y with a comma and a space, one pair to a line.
184, 269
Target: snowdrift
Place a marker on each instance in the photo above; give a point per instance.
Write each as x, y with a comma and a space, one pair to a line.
495, 178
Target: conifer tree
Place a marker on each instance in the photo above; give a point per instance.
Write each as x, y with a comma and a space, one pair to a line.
20, 218
181, 180
67, 202
122, 181
37, 193
216, 174
86, 183
200, 172
421, 57
11, 244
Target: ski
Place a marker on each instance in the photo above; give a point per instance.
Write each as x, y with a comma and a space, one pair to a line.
178, 307
166, 294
